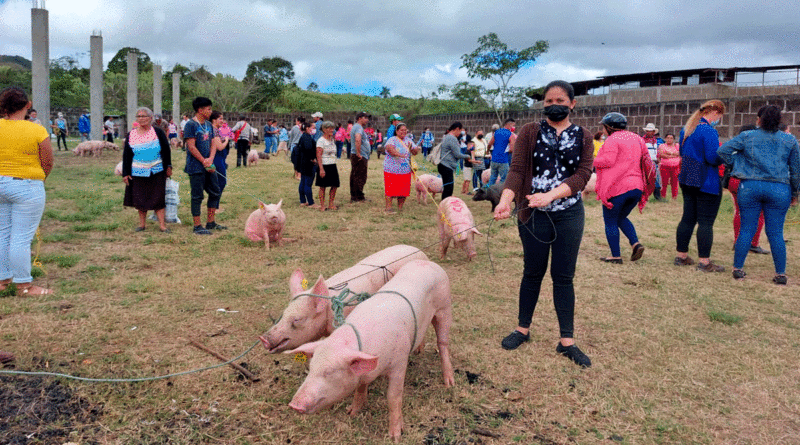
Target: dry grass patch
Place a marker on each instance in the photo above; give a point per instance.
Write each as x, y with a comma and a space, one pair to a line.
679, 356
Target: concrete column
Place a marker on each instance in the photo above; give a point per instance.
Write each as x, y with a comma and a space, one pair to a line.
40, 64
176, 97
731, 118
133, 89
96, 85
158, 88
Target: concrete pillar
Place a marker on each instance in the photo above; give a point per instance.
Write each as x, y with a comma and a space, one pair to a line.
40, 64
176, 97
96, 85
158, 88
731, 118
133, 89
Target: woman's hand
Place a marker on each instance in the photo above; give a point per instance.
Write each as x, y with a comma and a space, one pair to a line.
539, 199
169, 172
503, 209
126, 180
794, 201
322, 173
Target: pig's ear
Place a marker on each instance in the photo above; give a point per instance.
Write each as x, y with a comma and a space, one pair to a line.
280, 203
320, 288
296, 282
361, 363
262, 206
307, 349
475, 231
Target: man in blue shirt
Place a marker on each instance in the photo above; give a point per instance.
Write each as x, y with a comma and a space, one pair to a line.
198, 134
503, 140
84, 126
317, 125
359, 157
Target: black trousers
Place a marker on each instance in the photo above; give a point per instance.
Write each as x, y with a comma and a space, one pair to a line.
205, 181
447, 180
544, 234
242, 147
699, 209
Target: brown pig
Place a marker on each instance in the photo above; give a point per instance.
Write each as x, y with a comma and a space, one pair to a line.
376, 341
455, 221
309, 318
427, 184
266, 224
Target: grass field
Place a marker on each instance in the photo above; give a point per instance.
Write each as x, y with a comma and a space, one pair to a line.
678, 356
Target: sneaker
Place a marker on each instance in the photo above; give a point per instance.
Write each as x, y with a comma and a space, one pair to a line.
638, 251
710, 267
576, 355
738, 274
514, 340
779, 279
611, 260
200, 230
683, 261
759, 250
214, 226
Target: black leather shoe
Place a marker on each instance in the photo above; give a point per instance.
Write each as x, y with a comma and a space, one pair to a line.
514, 340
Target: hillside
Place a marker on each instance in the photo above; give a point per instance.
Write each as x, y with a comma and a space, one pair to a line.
17, 62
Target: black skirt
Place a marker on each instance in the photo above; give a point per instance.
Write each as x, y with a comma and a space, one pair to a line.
146, 193
331, 178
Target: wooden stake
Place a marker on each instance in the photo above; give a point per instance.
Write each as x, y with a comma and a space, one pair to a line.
244, 371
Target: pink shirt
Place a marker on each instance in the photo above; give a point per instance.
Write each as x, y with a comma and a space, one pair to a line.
669, 162
618, 165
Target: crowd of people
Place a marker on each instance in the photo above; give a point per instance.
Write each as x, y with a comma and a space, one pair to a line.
543, 168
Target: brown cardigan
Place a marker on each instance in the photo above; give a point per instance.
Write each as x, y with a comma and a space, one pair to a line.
520, 174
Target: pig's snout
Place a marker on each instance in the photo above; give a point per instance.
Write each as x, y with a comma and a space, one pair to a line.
297, 408
265, 342
306, 407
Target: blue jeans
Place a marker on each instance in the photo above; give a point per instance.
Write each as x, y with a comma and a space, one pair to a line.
21, 207
773, 198
306, 194
498, 169
268, 144
616, 219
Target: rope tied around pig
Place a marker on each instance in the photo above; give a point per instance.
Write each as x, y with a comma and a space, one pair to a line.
338, 302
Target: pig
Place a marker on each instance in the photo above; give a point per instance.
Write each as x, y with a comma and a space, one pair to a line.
118, 169
266, 223
309, 318
491, 194
427, 183
262, 155
377, 340
252, 158
590, 187
95, 148
455, 221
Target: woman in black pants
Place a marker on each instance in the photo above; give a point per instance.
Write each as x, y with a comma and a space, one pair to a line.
450, 154
551, 165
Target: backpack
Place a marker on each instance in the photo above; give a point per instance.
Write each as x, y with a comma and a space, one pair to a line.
435, 156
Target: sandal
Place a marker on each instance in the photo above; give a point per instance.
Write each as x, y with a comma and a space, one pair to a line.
33, 290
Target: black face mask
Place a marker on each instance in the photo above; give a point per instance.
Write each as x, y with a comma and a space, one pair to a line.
556, 113
480, 136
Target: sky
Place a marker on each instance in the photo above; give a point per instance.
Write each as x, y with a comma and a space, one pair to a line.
413, 46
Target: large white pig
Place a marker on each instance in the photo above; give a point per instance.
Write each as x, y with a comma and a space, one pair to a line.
456, 223
252, 157
309, 318
376, 341
427, 184
266, 224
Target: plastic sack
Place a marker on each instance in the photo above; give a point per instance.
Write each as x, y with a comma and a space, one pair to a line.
173, 200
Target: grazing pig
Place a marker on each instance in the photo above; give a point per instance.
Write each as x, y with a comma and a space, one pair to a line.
590, 187
118, 169
266, 224
262, 155
376, 341
491, 194
95, 148
252, 158
455, 221
427, 183
309, 318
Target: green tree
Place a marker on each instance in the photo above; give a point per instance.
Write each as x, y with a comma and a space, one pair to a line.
467, 92
385, 93
313, 87
494, 60
270, 76
119, 63
15, 77
227, 92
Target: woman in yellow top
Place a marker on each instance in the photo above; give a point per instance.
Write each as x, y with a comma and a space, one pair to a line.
26, 158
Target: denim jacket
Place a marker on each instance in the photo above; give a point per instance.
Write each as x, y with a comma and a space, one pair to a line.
699, 159
764, 156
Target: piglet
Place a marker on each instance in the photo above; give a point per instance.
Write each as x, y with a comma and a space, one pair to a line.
118, 169
427, 184
308, 318
252, 157
491, 194
376, 341
455, 221
266, 224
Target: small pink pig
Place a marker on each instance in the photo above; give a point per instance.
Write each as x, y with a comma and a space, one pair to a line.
118, 169
455, 221
266, 224
252, 157
308, 318
376, 341
427, 183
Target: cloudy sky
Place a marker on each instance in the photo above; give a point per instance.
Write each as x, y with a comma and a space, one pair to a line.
413, 46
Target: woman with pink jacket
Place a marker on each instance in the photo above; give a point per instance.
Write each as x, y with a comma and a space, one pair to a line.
620, 183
